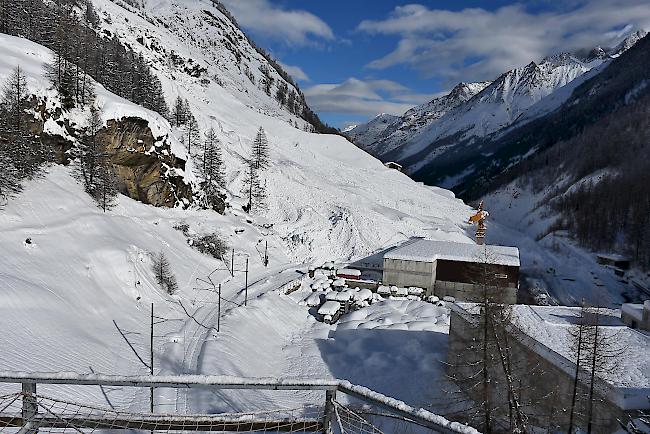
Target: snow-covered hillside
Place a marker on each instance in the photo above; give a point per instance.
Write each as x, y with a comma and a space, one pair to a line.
197, 48
418, 118
368, 133
347, 207
78, 282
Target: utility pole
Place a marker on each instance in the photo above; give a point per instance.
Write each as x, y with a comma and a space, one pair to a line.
246, 285
219, 310
232, 263
266, 254
151, 361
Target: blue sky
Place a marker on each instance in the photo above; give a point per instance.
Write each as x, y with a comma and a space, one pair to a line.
354, 59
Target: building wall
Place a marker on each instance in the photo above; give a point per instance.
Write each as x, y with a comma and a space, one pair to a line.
461, 280
545, 390
409, 273
474, 293
471, 272
642, 322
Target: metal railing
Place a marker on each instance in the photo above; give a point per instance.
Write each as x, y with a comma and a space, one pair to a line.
30, 409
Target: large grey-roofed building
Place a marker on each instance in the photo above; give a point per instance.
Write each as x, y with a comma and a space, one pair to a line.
452, 268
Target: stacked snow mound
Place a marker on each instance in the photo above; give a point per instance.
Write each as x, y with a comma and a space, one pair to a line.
398, 315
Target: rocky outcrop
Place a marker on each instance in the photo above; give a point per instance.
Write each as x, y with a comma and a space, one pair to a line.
145, 166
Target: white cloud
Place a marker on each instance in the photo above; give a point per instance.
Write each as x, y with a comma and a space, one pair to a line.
363, 97
476, 44
294, 27
295, 71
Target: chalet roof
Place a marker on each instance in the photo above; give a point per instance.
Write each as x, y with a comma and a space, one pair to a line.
423, 250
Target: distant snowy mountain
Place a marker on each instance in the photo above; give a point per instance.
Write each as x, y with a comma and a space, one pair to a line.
399, 130
477, 110
368, 133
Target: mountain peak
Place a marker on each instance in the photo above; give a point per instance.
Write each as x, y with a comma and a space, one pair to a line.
629, 41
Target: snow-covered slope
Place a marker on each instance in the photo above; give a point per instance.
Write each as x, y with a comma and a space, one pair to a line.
497, 106
325, 195
77, 282
194, 44
368, 133
402, 128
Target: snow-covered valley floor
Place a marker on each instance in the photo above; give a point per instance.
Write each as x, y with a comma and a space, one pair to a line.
77, 290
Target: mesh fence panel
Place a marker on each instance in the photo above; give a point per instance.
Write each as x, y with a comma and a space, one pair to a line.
350, 422
29, 414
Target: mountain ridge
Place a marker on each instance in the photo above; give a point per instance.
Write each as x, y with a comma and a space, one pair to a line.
511, 97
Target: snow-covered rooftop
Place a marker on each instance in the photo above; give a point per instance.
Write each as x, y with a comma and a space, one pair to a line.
423, 250
634, 310
627, 384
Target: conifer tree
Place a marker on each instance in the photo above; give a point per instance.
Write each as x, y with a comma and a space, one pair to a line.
260, 154
596, 354
95, 165
179, 114
211, 169
163, 273
254, 189
21, 152
192, 132
14, 99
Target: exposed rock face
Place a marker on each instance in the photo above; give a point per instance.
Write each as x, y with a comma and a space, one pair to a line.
144, 164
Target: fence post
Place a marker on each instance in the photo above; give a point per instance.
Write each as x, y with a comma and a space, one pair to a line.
246, 285
329, 416
219, 310
30, 409
151, 360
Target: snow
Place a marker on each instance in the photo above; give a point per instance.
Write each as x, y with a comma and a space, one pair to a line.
629, 381
398, 314
83, 287
516, 97
371, 131
383, 290
401, 130
363, 294
429, 251
77, 298
330, 307
315, 299
339, 296
552, 265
